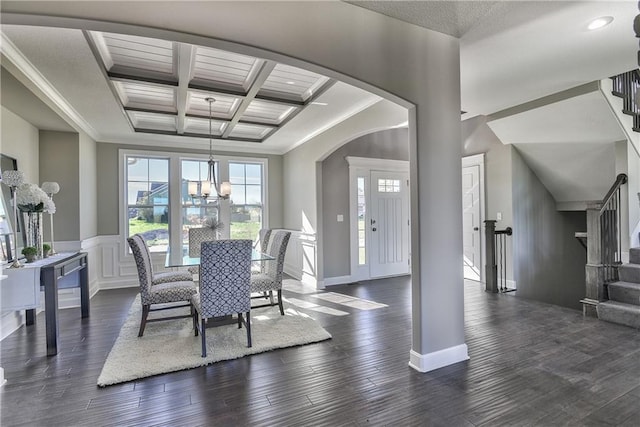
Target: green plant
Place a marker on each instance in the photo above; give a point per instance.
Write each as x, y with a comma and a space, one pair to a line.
46, 247
29, 250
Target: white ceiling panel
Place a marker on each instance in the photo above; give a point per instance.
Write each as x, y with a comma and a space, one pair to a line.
267, 112
146, 96
250, 131
196, 125
153, 121
296, 83
228, 68
119, 50
224, 106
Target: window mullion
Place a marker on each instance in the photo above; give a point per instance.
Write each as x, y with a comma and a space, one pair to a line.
175, 202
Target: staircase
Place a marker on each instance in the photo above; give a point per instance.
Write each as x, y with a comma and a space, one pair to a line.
623, 306
626, 86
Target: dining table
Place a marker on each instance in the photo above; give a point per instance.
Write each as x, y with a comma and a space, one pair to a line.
180, 257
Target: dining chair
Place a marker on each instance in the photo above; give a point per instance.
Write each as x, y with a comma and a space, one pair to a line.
175, 291
224, 289
197, 235
271, 279
164, 276
262, 243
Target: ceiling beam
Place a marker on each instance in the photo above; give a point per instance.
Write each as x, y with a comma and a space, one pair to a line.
256, 85
186, 58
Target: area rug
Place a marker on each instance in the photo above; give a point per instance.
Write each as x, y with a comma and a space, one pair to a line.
171, 346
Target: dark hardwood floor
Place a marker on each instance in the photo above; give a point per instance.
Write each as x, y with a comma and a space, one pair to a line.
531, 364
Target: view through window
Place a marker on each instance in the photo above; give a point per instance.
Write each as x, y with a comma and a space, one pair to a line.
151, 194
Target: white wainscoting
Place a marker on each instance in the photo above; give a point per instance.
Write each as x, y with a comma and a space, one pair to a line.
301, 257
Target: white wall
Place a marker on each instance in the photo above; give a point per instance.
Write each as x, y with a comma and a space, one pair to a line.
88, 187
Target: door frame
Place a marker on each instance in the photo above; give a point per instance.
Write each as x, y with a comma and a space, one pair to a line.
362, 166
478, 160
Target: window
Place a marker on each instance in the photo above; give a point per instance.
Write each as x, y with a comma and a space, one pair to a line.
246, 196
156, 201
196, 210
388, 185
148, 200
362, 231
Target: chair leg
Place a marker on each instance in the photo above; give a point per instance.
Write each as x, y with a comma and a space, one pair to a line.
203, 323
271, 297
239, 320
280, 301
248, 323
194, 317
143, 321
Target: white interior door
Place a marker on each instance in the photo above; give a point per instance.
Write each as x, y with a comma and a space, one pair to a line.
389, 224
471, 222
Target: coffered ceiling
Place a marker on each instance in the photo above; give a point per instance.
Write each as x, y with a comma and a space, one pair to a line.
162, 87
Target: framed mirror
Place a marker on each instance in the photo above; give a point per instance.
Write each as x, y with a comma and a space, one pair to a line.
8, 248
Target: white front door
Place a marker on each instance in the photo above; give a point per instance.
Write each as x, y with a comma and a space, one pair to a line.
389, 223
471, 222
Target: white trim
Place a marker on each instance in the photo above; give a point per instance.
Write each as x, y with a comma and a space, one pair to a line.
478, 160
438, 359
378, 164
337, 280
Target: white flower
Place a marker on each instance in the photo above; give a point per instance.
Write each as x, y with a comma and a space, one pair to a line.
31, 198
49, 206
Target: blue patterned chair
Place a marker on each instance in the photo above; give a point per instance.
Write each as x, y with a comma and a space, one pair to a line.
165, 276
225, 273
271, 279
158, 293
262, 243
197, 235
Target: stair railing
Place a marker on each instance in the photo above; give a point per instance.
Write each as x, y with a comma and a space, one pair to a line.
626, 86
611, 232
496, 250
604, 245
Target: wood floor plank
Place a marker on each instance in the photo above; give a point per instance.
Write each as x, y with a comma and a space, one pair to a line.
531, 364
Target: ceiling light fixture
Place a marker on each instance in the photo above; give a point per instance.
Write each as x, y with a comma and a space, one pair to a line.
222, 192
601, 22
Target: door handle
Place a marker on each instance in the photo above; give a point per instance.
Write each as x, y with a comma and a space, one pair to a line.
373, 229
475, 229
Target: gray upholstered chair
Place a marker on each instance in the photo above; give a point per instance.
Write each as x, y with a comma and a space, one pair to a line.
197, 235
271, 279
162, 277
225, 273
159, 293
262, 244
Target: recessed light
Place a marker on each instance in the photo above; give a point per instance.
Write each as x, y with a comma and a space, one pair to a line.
598, 23
291, 82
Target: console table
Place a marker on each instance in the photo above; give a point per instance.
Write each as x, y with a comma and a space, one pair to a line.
53, 272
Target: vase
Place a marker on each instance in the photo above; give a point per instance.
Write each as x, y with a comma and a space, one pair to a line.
33, 230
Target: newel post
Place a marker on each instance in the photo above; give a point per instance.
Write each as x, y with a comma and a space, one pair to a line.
491, 269
594, 270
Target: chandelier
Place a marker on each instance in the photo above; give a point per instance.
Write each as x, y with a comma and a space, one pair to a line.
211, 183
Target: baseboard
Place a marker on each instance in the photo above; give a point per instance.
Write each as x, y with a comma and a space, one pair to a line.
337, 280
438, 359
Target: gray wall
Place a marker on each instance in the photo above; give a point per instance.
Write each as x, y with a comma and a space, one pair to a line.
107, 185
60, 162
478, 138
391, 144
549, 263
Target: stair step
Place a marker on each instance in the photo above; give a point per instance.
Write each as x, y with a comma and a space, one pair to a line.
634, 255
620, 313
629, 273
626, 292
